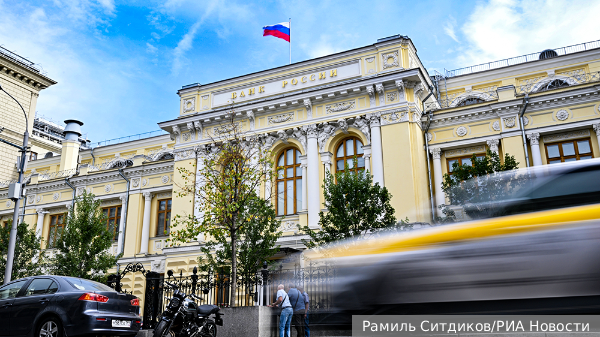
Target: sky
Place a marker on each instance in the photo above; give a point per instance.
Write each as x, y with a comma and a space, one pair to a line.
119, 64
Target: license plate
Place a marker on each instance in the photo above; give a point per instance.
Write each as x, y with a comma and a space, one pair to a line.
121, 324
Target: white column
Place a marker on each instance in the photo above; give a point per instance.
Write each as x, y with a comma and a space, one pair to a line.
198, 214
40, 222
146, 223
437, 175
597, 130
367, 156
313, 181
326, 159
376, 148
303, 161
121, 237
534, 141
493, 145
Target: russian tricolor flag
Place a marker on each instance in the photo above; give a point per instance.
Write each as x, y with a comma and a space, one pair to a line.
280, 30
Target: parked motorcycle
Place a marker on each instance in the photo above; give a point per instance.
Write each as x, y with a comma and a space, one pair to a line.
184, 318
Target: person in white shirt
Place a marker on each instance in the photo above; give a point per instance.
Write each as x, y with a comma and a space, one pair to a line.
286, 311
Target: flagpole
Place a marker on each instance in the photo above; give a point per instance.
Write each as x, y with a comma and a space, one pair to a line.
290, 24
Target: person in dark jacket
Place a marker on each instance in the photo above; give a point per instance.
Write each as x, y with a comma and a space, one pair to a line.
297, 301
306, 305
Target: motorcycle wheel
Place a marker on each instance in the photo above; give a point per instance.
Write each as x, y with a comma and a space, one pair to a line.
211, 329
160, 330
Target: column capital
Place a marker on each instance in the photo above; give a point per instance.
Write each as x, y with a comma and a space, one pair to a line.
493, 144
374, 119
534, 138
311, 131
123, 198
436, 152
148, 196
597, 129
41, 211
326, 157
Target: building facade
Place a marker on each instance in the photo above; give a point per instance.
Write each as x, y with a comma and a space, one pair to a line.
315, 116
23, 80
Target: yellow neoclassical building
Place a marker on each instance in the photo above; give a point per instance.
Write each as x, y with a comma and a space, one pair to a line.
377, 102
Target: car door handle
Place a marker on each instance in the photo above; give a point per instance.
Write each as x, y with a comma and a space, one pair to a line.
7, 305
43, 300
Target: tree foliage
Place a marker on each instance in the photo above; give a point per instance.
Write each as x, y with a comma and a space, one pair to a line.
83, 248
232, 168
28, 259
477, 187
355, 209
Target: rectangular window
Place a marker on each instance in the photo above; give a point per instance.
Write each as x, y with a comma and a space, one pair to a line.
164, 217
572, 150
32, 156
113, 219
466, 160
57, 225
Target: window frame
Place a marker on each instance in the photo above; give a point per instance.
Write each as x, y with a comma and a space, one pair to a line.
50, 226
562, 157
345, 158
295, 167
448, 167
166, 211
117, 218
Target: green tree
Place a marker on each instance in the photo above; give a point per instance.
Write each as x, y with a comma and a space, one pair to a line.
355, 209
256, 243
478, 187
83, 247
28, 259
232, 168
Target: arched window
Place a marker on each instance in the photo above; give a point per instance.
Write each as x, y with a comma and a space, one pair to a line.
346, 151
289, 182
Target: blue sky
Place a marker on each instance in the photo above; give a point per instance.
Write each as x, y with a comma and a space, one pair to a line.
119, 64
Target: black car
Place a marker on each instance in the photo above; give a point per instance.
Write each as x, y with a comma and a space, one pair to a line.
52, 306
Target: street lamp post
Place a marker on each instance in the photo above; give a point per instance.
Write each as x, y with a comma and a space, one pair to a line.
15, 194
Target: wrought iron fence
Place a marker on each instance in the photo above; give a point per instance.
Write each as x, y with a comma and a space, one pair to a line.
254, 289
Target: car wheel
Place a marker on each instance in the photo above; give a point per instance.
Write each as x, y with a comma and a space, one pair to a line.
50, 327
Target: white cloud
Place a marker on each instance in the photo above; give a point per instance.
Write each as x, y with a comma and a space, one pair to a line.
449, 28
184, 45
150, 48
109, 5
501, 29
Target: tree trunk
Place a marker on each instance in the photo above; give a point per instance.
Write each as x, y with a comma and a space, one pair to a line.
233, 278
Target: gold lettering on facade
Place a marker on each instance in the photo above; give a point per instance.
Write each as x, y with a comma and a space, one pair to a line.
303, 79
322, 75
333, 73
242, 94
283, 84
313, 77
261, 89
233, 95
294, 81
251, 91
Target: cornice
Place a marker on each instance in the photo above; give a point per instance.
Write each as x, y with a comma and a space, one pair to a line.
23, 74
318, 95
496, 110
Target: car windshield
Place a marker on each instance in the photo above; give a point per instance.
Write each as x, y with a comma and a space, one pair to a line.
83, 284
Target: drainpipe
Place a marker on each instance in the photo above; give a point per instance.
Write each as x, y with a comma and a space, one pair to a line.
429, 167
525, 103
126, 211
93, 158
73, 188
429, 116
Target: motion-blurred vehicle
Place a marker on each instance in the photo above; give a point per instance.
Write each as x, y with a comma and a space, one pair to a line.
534, 251
184, 318
57, 306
